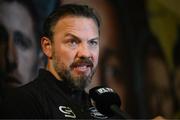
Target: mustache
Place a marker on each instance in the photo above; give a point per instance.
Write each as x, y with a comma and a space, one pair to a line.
82, 61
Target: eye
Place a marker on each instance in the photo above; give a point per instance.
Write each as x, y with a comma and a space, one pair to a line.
113, 71
93, 43
21, 40
73, 43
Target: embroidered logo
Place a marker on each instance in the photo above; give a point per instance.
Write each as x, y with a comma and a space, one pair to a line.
67, 111
95, 114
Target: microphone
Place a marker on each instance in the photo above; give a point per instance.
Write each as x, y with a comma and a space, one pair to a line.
106, 101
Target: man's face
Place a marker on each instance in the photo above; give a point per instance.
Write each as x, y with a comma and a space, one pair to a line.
75, 49
20, 54
158, 87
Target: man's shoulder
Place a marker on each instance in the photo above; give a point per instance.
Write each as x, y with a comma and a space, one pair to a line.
22, 93
24, 100
26, 89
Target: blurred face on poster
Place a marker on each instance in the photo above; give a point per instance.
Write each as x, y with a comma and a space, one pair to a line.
18, 46
158, 86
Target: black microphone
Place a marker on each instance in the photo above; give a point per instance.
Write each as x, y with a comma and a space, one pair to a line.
107, 101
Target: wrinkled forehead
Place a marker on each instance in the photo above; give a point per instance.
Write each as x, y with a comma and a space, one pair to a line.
15, 17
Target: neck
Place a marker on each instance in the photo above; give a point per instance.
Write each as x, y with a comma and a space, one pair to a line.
51, 69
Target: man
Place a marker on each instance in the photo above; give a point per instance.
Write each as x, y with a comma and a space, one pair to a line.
18, 63
71, 44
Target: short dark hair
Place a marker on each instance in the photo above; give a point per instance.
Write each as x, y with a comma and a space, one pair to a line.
66, 10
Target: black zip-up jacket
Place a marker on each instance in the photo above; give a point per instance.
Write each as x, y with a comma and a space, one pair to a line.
45, 97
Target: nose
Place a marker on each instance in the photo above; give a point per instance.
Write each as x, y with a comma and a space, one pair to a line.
84, 51
11, 56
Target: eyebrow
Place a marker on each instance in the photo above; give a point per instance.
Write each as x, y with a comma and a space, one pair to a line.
76, 37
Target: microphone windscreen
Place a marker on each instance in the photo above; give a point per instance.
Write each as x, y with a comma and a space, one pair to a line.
104, 98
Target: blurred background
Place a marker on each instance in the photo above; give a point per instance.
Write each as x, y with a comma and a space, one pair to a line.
139, 52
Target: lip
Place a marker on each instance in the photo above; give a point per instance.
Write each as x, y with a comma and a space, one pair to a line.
82, 69
83, 64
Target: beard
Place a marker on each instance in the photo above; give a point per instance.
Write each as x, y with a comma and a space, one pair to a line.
76, 82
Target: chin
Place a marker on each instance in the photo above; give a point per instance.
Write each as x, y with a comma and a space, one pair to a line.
13, 81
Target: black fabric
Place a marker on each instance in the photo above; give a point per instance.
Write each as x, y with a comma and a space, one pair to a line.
45, 97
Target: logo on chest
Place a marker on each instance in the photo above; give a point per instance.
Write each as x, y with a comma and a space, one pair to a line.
67, 112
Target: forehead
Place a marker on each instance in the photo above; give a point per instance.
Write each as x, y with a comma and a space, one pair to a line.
76, 24
15, 17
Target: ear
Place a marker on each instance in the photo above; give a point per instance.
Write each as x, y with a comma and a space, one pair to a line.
46, 45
